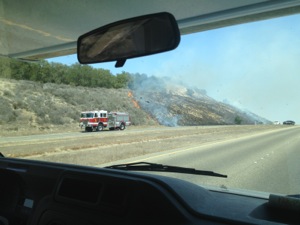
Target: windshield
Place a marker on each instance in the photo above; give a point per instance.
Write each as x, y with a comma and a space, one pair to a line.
87, 115
226, 100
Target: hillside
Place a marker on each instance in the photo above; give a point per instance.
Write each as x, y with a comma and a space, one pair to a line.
190, 108
28, 106
174, 104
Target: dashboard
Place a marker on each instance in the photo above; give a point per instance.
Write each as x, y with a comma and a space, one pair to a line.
42, 193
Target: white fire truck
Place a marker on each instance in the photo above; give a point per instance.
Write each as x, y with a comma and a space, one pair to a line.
97, 120
118, 120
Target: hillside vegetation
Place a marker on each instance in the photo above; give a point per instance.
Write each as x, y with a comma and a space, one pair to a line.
74, 75
29, 106
48, 97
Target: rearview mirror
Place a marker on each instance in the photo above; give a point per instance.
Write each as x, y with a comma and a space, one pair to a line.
135, 37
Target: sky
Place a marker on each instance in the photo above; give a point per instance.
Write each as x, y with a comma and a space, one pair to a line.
255, 66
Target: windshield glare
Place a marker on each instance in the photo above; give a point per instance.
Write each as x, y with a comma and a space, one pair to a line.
225, 100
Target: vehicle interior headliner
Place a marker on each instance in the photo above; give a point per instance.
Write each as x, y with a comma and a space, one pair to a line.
43, 29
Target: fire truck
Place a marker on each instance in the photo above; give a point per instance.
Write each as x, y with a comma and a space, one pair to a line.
118, 120
97, 120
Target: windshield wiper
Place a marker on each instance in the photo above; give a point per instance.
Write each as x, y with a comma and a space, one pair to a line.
145, 166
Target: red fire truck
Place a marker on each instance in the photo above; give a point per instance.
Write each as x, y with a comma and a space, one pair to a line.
93, 120
97, 120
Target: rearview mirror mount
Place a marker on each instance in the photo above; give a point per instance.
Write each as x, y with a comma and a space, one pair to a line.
130, 38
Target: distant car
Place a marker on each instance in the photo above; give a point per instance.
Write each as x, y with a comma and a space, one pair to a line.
289, 122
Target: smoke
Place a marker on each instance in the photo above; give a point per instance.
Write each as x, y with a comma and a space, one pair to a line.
171, 103
264, 71
148, 92
244, 110
256, 64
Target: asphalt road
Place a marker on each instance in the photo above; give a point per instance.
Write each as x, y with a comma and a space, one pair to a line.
268, 162
256, 158
78, 143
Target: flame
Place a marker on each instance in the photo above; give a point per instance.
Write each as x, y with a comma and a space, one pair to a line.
130, 95
135, 103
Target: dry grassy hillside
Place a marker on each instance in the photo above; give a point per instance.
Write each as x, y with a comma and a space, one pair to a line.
29, 107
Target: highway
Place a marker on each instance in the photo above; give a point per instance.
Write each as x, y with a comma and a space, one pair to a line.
161, 138
268, 162
256, 158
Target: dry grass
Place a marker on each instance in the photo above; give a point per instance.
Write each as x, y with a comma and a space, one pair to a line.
31, 107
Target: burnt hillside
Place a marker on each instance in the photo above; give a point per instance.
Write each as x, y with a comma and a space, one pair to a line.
186, 109
176, 105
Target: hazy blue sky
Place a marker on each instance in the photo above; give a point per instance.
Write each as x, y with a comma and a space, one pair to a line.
255, 66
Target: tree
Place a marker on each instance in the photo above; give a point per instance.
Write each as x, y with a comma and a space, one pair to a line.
238, 120
5, 70
76, 74
121, 80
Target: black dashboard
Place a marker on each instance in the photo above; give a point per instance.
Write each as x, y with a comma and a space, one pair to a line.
41, 193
